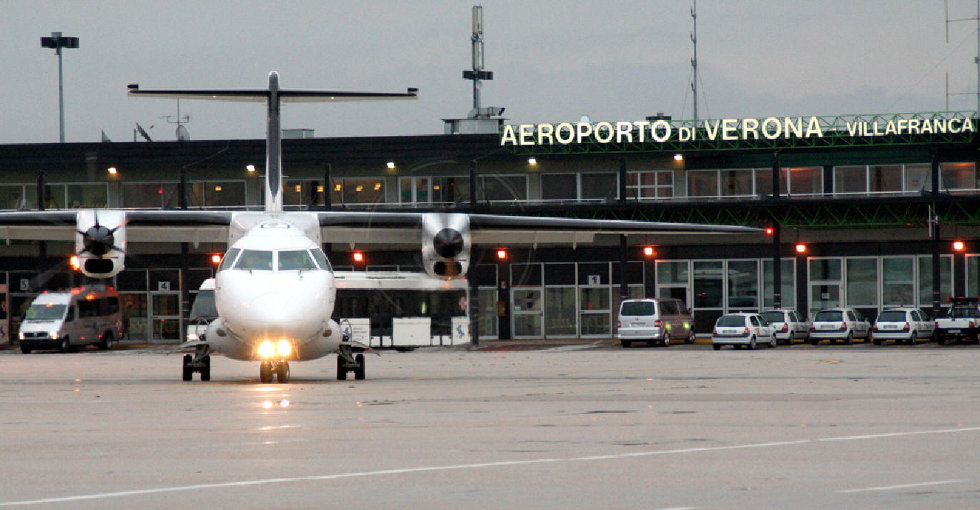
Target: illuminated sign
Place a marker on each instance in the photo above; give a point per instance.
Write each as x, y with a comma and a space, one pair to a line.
732, 130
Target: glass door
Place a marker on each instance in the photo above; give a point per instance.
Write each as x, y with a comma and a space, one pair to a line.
527, 312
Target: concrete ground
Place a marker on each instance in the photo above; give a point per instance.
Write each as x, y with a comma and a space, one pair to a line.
548, 426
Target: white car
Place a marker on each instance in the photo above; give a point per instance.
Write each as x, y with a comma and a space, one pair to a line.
742, 329
787, 325
839, 324
902, 324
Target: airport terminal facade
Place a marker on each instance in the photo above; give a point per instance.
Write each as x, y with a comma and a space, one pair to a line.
863, 212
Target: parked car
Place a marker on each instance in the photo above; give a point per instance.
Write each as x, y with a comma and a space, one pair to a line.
655, 320
961, 321
787, 325
903, 324
742, 329
839, 324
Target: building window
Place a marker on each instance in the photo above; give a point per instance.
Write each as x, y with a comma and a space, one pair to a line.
599, 186
559, 186
217, 194
958, 176
702, 183
862, 282
850, 179
743, 285
885, 178
898, 281
918, 177
650, 184
945, 279
164, 195
787, 277
503, 188
357, 191
13, 197
805, 181
302, 193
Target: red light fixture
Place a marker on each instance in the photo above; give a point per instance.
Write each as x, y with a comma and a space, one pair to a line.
358, 257
958, 246
502, 254
770, 231
648, 251
216, 259
800, 248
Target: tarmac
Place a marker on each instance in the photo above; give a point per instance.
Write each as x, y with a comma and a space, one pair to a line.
510, 424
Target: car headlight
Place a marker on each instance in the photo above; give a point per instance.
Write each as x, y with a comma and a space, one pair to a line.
53, 335
21, 335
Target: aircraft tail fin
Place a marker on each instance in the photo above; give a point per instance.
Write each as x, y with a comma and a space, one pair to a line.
273, 96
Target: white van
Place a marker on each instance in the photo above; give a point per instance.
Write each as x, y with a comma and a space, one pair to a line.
67, 319
653, 321
203, 311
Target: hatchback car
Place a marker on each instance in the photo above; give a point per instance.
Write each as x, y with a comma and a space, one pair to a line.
787, 325
839, 324
902, 325
742, 329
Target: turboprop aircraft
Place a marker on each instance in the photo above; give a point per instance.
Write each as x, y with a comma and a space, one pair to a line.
275, 289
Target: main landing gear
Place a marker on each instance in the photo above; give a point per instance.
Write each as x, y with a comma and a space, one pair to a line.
348, 362
278, 368
200, 361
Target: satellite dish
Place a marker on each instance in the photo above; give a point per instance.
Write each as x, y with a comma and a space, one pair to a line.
182, 134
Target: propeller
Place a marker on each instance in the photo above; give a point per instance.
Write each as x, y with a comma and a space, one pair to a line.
99, 239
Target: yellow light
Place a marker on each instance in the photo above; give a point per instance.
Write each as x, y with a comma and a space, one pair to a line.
532, 161
267, 349
299, 188
112, 170
359, 188
284, 348
390, 165
678, 157
217, 188
75, 263
377, 186
250, 168
319, 189
336, 187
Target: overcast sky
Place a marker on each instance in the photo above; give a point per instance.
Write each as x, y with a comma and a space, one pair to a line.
553, 61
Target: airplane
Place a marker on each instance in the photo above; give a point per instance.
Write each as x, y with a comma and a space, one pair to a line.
274, 288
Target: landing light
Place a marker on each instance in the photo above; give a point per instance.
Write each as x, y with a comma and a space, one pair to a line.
75, 263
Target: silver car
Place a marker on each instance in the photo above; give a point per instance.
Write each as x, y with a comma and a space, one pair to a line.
787, 325
902, 325
742, 329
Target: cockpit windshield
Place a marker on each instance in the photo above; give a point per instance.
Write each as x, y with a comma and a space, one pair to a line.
296, 260
321, 259
255, 260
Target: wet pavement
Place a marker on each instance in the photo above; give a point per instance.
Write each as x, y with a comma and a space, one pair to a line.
571, 424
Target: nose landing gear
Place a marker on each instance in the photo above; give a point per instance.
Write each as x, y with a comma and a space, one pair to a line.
279, 368
200, 361
348, 362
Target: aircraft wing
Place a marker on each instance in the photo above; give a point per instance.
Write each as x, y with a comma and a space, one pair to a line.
403, 227
141, 225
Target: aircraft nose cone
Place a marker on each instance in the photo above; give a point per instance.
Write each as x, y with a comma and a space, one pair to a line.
283, 315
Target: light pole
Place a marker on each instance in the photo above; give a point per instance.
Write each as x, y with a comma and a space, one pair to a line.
57, 42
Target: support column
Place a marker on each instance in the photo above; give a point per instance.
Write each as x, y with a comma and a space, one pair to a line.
473, 281
777, 268
326, 185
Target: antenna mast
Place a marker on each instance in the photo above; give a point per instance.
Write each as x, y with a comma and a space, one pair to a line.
694, 60
976, 59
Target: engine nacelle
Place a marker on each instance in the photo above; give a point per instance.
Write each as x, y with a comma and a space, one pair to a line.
446, 244
100, 242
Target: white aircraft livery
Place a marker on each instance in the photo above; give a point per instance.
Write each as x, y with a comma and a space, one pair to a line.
275, 289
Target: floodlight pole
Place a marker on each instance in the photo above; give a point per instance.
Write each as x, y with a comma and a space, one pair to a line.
57, 42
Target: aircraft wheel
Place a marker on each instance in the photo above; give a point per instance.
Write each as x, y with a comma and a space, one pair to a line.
188, 372
265, 372
341, 368
206, 369
282, 372
360, 371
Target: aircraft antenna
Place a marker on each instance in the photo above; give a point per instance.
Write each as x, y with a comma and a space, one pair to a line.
182, 134
694, 59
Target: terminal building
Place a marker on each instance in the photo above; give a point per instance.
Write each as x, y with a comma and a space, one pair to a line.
861, 211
